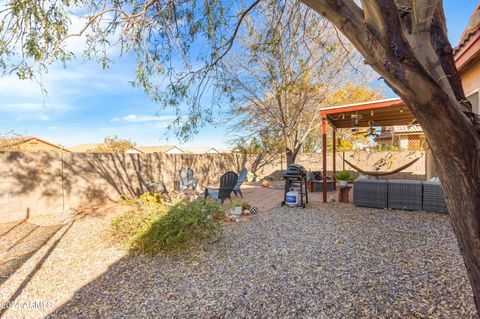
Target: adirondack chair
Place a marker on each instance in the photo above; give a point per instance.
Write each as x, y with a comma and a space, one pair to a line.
241, 178
227, 183
153, 187
187, 179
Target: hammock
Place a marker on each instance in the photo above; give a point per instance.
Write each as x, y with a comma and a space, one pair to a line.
371, 173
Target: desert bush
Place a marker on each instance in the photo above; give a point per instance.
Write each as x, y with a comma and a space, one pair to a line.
151, 226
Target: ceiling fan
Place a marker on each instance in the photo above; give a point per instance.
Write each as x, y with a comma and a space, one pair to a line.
355, 118
370, 131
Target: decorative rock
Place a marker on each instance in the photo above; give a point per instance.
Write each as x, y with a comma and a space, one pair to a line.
325, 261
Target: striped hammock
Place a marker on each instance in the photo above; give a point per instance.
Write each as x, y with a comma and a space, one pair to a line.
375, 173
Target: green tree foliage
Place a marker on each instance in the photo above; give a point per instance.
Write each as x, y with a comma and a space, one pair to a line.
161, 34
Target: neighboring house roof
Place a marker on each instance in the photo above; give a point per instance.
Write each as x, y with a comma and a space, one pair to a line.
406, 129
204, 150
159, 149
384, 135
399, 130
83, 148
469, 46
14, 141
134, 150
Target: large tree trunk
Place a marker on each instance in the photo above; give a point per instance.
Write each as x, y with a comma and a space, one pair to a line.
292, 154
406, 42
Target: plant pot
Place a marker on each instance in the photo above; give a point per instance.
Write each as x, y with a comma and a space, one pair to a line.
343, 183
236, 211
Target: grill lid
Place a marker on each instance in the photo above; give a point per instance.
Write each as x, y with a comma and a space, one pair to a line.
295, 170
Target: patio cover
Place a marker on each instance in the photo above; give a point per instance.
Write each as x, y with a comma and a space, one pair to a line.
388, 112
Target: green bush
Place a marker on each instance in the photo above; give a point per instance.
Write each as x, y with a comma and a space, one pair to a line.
343, 176
152, 227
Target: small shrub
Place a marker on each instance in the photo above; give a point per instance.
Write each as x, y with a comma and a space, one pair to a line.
152, 226
343, 176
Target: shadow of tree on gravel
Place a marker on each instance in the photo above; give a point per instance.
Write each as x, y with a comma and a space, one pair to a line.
51, 231
19, 243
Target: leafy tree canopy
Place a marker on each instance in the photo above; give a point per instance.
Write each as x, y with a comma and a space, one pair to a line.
163, 35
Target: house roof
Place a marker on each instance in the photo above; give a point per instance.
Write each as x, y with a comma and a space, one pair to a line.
83, 148
24, 139
157, 148
89, 147
204, 150
384, 135
469, 46
407, 129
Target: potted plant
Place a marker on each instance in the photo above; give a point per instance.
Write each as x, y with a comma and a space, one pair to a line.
343, 178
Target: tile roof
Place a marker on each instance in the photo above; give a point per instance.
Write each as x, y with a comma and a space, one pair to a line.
406, 129
472, 28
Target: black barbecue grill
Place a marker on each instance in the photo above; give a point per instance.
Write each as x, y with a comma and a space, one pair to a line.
296, 178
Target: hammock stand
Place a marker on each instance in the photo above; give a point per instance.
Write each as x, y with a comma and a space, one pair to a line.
373, 173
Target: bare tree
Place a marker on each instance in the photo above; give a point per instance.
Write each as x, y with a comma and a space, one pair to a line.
287, 66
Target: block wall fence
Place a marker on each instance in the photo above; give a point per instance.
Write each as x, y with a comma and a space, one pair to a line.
50, 182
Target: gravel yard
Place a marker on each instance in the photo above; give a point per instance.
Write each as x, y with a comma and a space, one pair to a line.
328, 261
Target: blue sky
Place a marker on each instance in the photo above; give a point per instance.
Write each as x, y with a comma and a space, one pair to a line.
86, 103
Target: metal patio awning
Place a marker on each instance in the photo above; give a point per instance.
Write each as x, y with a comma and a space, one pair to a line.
387, 112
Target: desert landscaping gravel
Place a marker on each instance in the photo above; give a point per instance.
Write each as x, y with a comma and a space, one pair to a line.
327, 261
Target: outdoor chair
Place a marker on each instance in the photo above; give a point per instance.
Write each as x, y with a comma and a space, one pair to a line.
241, 178
187, 179
227, 183
153, 187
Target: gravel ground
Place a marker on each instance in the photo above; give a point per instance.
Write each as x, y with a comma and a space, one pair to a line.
329, 261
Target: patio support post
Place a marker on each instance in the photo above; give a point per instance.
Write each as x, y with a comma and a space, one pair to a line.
324, 158
334, 155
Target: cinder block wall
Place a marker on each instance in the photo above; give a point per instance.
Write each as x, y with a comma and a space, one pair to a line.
49, 182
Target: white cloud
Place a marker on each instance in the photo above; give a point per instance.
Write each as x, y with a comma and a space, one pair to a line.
135, 118
31, 107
